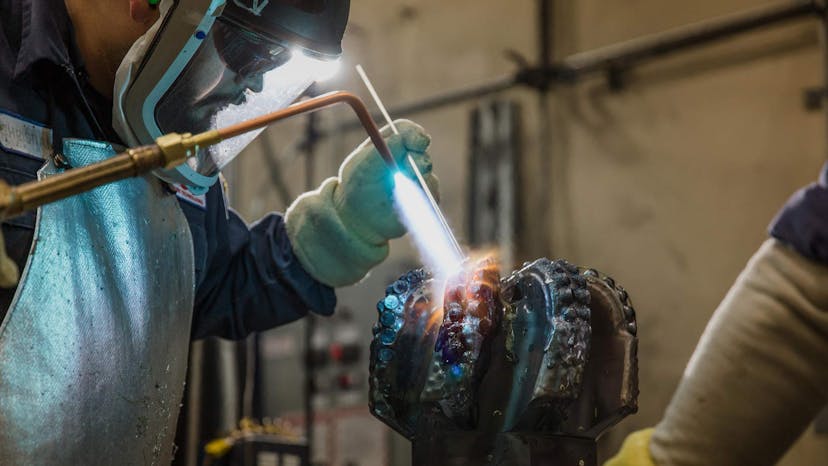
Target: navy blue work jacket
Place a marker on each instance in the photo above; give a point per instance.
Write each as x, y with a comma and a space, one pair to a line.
247, 278
803, 222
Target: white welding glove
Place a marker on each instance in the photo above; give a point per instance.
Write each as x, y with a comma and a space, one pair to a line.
341, 230
760, 372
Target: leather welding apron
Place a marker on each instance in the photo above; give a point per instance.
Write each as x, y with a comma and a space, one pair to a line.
93, 351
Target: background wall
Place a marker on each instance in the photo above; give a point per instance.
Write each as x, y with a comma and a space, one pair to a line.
667, 185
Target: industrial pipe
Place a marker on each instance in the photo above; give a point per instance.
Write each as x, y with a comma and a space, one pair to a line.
617, 57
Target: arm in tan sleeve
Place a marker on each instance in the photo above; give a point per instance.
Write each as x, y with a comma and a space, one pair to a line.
760, 372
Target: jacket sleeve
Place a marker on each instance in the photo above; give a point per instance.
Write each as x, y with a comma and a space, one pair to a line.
803, 223
247, 277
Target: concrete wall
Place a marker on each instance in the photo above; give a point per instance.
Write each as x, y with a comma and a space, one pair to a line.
668, 185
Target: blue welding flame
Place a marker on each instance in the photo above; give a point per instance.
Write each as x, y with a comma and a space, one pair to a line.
431, 239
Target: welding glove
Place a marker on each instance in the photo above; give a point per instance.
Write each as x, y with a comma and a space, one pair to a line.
341, 230
635, 451
760, 372
9, 274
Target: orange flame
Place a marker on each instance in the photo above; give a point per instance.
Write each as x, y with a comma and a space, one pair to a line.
481, 271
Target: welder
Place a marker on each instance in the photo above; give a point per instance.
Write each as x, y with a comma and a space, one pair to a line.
759, 374
117, 281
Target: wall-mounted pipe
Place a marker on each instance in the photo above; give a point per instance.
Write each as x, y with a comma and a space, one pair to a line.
621, 57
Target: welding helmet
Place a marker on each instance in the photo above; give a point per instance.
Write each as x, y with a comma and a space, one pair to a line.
206, 64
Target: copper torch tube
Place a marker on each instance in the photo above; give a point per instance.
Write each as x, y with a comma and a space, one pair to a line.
169, 150
312, 105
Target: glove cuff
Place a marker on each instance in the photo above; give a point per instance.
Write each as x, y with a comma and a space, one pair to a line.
327, 248
635, 451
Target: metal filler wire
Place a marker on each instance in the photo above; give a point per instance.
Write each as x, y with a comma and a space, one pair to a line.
434, 206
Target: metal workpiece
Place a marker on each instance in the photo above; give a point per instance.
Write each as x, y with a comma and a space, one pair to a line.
609, 387
170, 150
527, 369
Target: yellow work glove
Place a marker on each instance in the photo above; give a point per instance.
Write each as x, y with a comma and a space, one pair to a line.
635, 451
9, 275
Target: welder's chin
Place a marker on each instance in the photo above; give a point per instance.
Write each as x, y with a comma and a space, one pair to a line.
203, 113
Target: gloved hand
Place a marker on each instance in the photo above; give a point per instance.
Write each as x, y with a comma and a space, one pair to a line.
635, 451
9, 275
341, 230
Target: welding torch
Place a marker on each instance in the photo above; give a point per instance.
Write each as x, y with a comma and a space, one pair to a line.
169, 151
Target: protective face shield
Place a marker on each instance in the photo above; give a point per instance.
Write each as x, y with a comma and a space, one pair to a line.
206, 64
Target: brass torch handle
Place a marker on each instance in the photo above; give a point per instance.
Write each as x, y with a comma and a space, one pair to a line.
18, 199
170, 150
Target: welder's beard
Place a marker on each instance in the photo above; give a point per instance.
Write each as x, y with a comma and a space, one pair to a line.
208, 99
194, 107
206, 87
